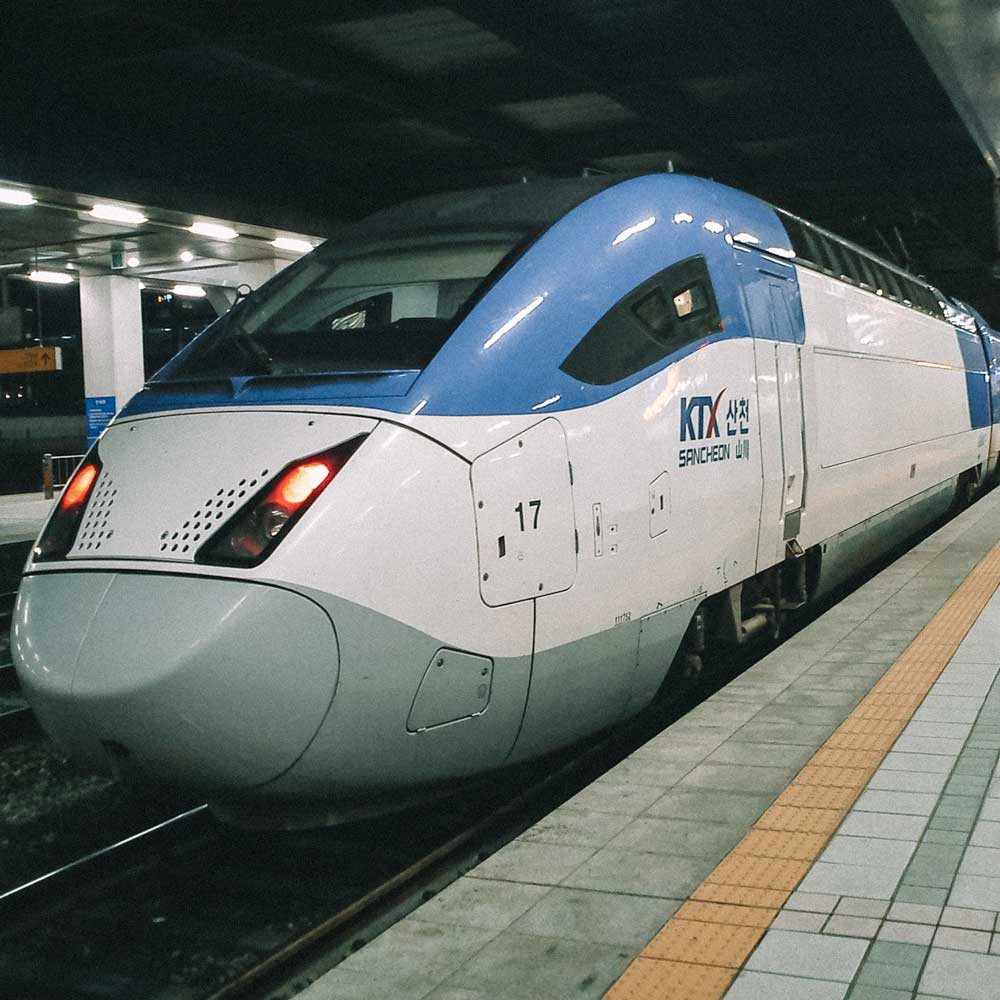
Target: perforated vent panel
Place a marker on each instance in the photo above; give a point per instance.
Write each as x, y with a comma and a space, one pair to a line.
210, 515
95, 530
168, 482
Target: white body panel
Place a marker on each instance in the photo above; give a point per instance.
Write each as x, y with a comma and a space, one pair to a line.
886, 411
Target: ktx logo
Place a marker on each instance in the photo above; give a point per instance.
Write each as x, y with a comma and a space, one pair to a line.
694, 426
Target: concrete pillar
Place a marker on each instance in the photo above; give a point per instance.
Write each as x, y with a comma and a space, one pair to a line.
111, 316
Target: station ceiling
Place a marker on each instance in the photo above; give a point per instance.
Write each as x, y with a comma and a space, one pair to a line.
302, 114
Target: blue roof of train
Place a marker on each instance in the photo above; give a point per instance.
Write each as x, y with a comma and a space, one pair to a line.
504, 357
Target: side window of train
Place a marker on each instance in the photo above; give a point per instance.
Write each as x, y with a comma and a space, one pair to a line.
664, 313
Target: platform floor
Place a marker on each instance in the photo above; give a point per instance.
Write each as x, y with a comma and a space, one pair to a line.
826, 826
22, 515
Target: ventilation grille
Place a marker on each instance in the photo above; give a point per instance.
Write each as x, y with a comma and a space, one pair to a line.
207, 518
94, 530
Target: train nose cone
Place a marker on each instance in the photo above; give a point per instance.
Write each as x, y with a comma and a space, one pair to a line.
216, 684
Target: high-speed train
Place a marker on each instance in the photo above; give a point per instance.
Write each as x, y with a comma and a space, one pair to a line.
460, 486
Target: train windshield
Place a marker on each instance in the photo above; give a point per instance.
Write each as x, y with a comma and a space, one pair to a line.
384, 308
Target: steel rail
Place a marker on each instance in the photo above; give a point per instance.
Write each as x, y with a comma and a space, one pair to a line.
138, 845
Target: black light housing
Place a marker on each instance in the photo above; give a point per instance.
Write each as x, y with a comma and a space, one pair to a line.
250, 536
60, 532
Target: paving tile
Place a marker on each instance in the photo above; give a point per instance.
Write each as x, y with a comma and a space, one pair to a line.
892, 826
978, 920
893, 930
852, 880
897, 760
799, 920
953, 837
642, 874
967, 784
877, 852
543, 864
928, 744
710, 806
908, 781
475, 902
958, 805
367, 984
812, 901
576, 827
814, 956
609, 918
656, 772
922, 894
743, 752
528, 966
961, 974
692, 749
962, 939
908, 803
750, 985
915, 913
939, 730
981, 861
851, 906
860, 927
785, 732
736, 777
686, 837
615, 797
418, 948
897, 953
976, 892
862, 992
454, 993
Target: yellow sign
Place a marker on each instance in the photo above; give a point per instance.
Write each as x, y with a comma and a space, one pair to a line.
31, 359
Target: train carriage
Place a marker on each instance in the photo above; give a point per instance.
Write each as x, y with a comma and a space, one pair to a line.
458, 488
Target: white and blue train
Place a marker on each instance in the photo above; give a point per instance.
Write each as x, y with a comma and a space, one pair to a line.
457, 488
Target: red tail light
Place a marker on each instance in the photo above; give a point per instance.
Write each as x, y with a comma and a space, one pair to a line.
249, 537
60, 532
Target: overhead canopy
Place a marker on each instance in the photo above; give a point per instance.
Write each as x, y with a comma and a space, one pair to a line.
308, 113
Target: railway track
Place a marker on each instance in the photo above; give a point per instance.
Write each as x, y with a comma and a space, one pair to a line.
191, 910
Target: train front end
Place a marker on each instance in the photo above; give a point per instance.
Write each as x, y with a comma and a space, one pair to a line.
262, 583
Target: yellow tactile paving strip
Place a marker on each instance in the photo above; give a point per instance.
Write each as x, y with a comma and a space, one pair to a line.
698, 952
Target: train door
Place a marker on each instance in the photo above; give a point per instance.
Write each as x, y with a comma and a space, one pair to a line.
775, 316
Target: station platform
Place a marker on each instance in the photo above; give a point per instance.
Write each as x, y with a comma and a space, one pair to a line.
826, 826
22, 516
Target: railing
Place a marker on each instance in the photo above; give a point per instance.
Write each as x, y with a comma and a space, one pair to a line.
56, 471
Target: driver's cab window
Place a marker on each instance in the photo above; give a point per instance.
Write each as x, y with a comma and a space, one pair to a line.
671, 309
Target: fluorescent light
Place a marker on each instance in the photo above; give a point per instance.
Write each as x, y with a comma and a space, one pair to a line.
186, 256
51, 277
213, 229
116, 213
11, 196
133, 262
189, 291
287, 243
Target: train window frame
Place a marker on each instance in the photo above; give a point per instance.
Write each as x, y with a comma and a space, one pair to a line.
622, 342
825, 252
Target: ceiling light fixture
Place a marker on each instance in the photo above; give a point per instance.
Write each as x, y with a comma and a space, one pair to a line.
186, 256
213, 229
51, 277
11, 196
117, 213
295, 246
133, 262
189, 291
